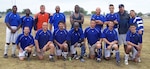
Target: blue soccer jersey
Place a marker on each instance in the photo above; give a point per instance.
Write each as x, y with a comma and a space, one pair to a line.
113, 17
24, 41
56, 18
92, 34
98, 17
13, 19
110, 35
138, 21
60, 35
43, 37
133, 37
27, 22
75, 36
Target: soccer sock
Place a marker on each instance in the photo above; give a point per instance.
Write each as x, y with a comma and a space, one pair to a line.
82, 51
51, 56
117, 55
65, 54
13, 49
6, 49
126, 56
29, 53
99, 53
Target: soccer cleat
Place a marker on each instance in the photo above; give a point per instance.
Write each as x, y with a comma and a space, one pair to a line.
74, 57
34, 55
52, 60
139, 60
82, 60
77, 57
5, 56
126, 62
64, 58
13, 56
118, 63
98, 60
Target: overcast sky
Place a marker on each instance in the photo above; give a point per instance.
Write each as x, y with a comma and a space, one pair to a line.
68, 5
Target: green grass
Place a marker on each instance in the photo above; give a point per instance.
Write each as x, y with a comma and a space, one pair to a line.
12, 63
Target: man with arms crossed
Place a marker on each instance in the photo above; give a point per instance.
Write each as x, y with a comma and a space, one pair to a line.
77, 17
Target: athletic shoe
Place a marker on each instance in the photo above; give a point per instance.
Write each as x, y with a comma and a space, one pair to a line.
52, 60
64, 58
34, 55
13, 56
77, 57
82, 60
98, 60
139, 60
69, 58
5, 56
126, 62
118, 63
74, 57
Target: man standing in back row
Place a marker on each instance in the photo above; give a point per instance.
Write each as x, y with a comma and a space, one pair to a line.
13, 23
77, 17
123, 25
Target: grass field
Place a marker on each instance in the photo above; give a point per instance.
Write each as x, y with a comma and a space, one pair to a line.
34, 63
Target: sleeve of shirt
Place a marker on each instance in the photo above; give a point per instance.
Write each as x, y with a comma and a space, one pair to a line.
7, 18
93, 17
103, 19
104, 34
18, 40
82, 35
51, 20
117, 17
19, 20
128, 36
140, 39
69, 36
116, 36
51, 37
32, 41
85, 33
37, 36
106, 17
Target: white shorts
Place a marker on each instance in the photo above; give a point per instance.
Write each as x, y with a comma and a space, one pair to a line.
106, 51
73, 48
92, 49
134, 52
11, 37
122, 39
22, 54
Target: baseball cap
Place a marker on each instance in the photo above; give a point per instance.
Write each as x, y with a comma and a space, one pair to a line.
121, 5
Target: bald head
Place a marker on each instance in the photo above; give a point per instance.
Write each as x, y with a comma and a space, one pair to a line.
98, 10
57, 8
45, 25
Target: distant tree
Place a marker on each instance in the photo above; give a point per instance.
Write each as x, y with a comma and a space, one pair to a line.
148, 15
8, 10
67, 12
82, 10
93, 12
140, 14
24, 11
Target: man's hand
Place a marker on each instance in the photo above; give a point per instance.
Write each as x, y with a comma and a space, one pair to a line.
140, 32
38, 50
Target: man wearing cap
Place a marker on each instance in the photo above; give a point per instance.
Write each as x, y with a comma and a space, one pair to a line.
123, 25
76, 39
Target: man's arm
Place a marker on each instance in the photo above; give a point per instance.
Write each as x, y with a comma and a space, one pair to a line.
71, 19
132, 44
105, 40
82, 19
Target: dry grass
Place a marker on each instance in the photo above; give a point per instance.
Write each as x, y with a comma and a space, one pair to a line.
12, 63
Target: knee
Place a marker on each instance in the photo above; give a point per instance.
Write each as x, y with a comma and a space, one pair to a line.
7, 43
116, 47
98, 45
52, 46
129, 47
